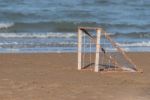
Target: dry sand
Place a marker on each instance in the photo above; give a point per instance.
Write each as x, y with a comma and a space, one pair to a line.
55, 77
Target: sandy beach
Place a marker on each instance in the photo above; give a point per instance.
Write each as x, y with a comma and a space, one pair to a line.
51, 76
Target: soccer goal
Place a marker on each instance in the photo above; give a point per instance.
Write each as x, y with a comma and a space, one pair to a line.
98, 52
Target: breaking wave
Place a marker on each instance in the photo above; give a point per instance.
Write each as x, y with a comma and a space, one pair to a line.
142, 44
55, 26
68, 35
132, 35
70, 26
37, 35
6, 25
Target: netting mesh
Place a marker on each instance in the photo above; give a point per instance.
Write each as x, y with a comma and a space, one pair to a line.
114, 56
88, 51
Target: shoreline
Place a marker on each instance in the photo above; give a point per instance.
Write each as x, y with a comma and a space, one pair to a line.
127, 52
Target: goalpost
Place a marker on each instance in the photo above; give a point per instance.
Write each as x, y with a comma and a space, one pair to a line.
81, 49
98, 52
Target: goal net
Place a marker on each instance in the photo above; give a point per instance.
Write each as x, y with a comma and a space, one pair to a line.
98, 52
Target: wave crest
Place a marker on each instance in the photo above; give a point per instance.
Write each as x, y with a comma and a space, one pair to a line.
140, 44
37, 35
6, 25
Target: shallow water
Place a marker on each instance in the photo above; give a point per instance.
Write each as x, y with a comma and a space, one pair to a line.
51, 25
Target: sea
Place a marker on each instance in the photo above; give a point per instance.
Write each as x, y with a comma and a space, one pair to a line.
35, 26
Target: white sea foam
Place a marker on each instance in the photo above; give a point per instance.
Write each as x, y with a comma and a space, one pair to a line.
9, 43
37, 35
143, 43
6, 25
39, 44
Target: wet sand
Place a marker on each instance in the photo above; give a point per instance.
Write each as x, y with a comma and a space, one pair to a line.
51, 76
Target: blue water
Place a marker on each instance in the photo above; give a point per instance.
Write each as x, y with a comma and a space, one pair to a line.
51, 25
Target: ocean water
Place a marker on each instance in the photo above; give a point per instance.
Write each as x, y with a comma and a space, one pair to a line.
51, 25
